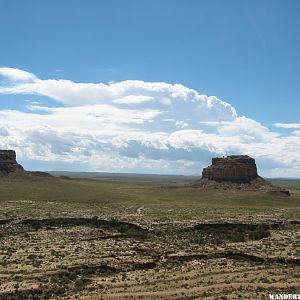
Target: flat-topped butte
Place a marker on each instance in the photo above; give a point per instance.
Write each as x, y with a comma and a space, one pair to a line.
236, 172
234, 168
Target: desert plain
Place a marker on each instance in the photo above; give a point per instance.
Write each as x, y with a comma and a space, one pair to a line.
114, 236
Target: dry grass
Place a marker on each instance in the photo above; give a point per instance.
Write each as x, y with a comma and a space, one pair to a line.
164, 257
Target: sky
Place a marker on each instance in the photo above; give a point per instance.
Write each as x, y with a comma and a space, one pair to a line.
150, 86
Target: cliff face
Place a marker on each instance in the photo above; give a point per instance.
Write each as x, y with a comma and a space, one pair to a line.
234, 168
8, 162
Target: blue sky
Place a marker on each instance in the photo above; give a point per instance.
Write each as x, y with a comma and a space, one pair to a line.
245, 53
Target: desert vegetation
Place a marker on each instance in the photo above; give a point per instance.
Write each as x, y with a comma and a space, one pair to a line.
145, 238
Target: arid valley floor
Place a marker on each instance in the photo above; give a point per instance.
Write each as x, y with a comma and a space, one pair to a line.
145, 237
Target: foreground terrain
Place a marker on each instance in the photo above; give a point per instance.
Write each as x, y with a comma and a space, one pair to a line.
145, 237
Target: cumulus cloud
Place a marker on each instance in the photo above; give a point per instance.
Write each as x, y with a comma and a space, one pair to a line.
137, 126
174, 98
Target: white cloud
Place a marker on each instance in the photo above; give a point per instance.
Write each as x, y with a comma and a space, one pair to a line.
153, 95
288, 125
140, 127
16, 74
296, 132
132, 99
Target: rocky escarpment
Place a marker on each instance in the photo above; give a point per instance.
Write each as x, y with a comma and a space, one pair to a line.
8, 162
235, 168
10, 166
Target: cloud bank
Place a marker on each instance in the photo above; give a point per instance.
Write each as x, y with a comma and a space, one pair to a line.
136, 126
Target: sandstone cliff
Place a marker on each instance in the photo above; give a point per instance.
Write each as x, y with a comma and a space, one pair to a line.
235, 168
8, 162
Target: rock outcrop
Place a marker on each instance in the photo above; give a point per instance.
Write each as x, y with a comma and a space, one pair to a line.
236, 172
234, 168
8, 162
10, 166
